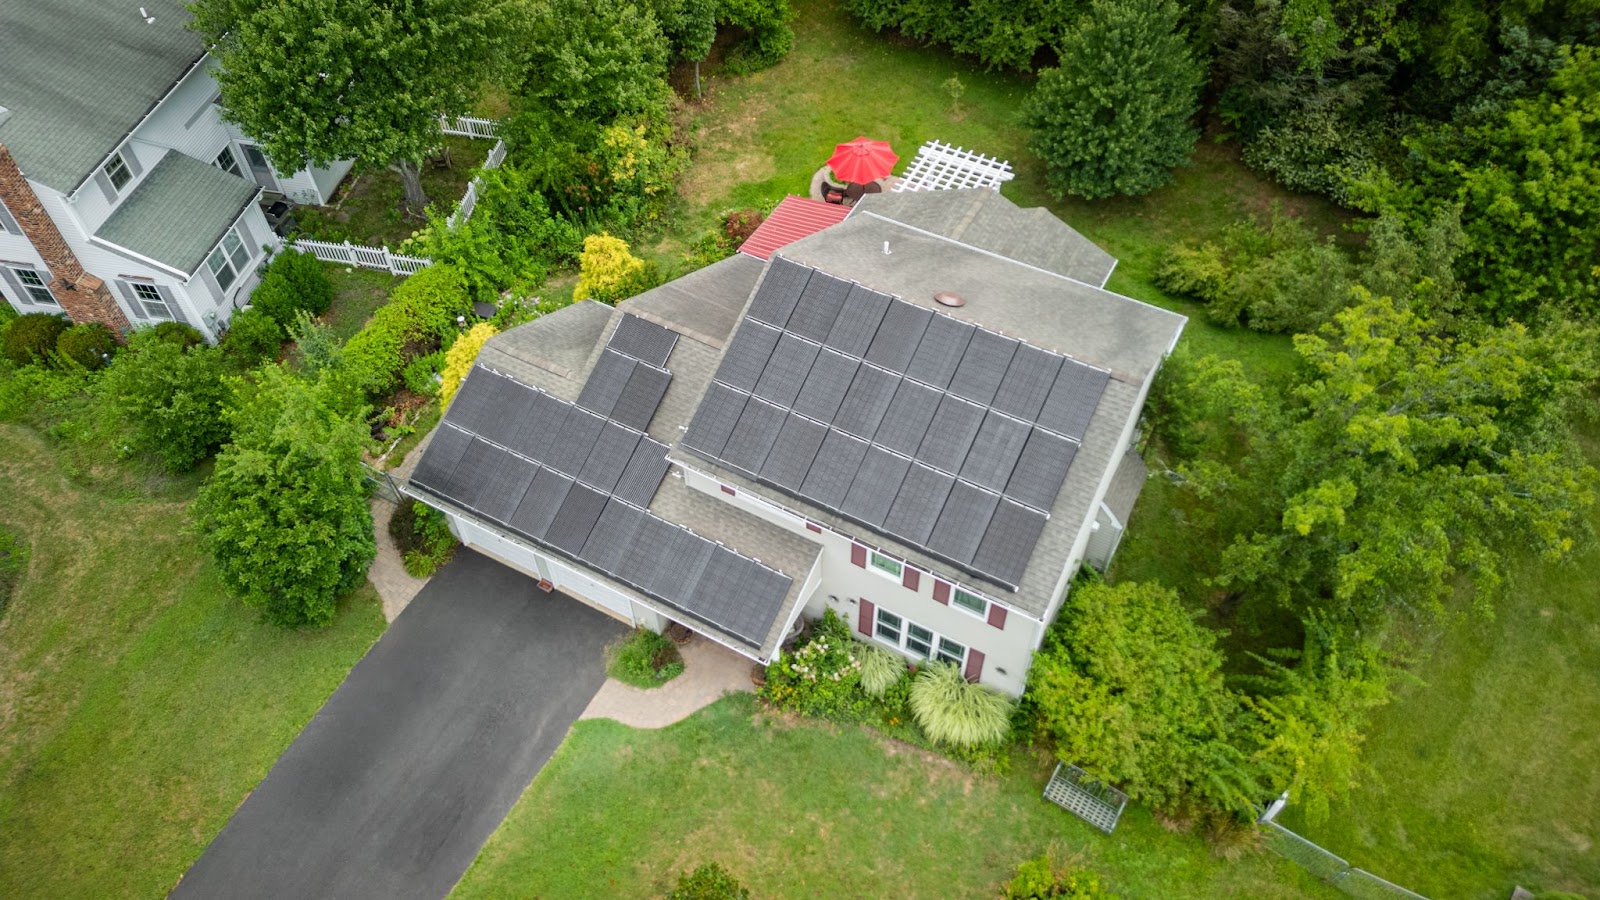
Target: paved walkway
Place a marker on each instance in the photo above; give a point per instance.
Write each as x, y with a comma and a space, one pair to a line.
388, 571
710, 670
394, 786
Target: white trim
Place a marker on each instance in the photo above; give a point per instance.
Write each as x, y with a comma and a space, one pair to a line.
981, 616
897, 577
140, 257
905, 630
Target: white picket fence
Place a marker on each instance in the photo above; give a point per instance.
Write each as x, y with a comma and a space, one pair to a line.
469, 127
383, 258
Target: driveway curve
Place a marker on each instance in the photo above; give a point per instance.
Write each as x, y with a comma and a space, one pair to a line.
393, 787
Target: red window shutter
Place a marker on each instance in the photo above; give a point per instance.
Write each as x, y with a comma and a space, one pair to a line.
941, 591
997, 616
812, 526
974, 669
864, 624
858, 555
910, 578
729, 491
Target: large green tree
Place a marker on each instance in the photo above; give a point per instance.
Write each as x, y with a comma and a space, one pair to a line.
592, 63
1397, 460
1117, 116
285, 512
171, 397
315, 81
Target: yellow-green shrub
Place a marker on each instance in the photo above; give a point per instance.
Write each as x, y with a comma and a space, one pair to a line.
459, 358
608, 272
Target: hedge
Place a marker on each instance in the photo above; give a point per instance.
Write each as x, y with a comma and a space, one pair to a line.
419, 313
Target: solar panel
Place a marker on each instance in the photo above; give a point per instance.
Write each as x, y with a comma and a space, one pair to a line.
994, 451
713, 422
722, 593
571, 446
759, 603
480, 462
780, 290
826, 385
867, 400
473, 406
573, 522
876, 484
908, 417
754, 436
611, 534
819, 306
641, 397
643, 340
1041, 469
645, 552
915, 508
609, 457
606, 381
940, 350
539, 504
1028, 381
1073, 399
538, 427
1008, 543
983, 366
444, 451
747, 355
679, 569
514, 403
962, 522
504, 485
643, 475
786, 370
791, 457
955, 423
834, 469
858, 321
898, 335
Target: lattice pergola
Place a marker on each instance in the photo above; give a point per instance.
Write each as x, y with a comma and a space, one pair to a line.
1099, 804
941, 167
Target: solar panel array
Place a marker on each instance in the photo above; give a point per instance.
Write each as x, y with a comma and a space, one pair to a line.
947, 436
577, 480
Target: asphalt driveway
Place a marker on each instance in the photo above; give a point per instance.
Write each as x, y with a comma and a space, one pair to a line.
412, 763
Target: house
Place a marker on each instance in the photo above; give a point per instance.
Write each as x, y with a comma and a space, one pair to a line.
124, 197
919, 417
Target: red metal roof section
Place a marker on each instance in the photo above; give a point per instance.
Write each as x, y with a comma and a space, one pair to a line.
795, 218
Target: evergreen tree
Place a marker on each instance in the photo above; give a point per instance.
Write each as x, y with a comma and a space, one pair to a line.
1116, 117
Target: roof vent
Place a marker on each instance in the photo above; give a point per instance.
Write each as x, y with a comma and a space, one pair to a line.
949, 298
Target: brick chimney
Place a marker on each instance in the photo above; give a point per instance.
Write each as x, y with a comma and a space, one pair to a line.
85, 297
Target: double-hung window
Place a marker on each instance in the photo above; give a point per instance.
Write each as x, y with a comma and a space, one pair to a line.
117, 170
915, 639
227, 162
886, 565
150, 299
33, 285
229, 259
970, 602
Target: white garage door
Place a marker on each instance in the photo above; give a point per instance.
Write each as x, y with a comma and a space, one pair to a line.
536, 565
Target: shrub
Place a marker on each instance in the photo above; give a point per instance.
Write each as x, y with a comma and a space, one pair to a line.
880, 669
1041, 878
1198, 271
171, 397
31, 338
292, 281
422, 309
418, 375
819, 678
89, 344
710, 881
770, 40
739, 224
608, 272
422, 535
178, 334
645, 660
954, 711
253, 336
13, 565
459, 358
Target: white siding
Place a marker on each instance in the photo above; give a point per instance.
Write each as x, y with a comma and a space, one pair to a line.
326, 180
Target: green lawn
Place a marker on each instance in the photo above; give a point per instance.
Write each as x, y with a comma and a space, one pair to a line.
367, 208
357, 294
806, 810
139, 704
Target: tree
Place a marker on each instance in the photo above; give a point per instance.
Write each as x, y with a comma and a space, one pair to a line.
593, 62
285, 513
1397, 460
1129, 687
171, 397
314, 82
1116, 117
690, 27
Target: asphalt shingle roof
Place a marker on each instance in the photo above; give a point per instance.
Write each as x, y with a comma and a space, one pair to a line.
178, 212
78, 75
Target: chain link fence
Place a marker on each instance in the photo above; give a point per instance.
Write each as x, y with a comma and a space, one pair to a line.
1326, 865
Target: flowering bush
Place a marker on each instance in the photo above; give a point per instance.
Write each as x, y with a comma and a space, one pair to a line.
822, 676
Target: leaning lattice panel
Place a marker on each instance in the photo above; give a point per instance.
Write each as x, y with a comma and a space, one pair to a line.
941, 167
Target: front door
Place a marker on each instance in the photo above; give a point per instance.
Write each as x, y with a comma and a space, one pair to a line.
260, 168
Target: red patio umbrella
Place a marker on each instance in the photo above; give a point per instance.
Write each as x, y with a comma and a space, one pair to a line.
862, 160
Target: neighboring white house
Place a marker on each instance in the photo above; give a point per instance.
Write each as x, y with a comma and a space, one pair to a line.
124, 197
920, 417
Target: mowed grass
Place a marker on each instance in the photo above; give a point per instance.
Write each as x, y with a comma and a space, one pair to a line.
797, 809
357, 294
139, 703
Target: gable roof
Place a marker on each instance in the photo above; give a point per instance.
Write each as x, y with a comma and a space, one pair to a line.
982, 218
78, 75
793, 219
178, 212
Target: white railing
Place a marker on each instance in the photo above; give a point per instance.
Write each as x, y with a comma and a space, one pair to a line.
366, 257
469, 200
469, 127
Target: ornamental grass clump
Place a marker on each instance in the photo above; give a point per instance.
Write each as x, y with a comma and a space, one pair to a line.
880, 669
954, 711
